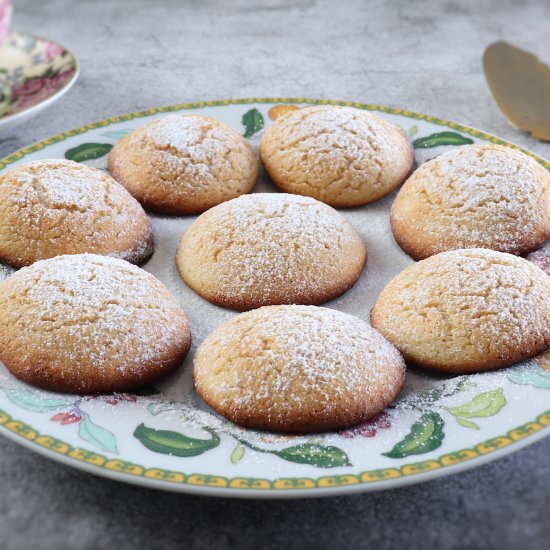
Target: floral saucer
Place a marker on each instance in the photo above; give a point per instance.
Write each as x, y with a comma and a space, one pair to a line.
34, 72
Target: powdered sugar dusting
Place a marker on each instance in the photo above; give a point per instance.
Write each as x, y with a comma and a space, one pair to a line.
184, 133
87, 311
340, 155
184, 164
481, 195
66, 185
465, 307
271, 248
52, 207
302, 361
341, 132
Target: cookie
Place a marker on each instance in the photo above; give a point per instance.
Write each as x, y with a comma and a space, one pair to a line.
297, 369
339, 155
466, 311
269, 249
85, 323
477, 196
54, 207
184, 164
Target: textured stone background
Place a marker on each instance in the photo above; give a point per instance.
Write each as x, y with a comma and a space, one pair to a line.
421, 55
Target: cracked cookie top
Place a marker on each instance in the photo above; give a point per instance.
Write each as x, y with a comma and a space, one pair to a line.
270, 248
184, 164
54, 207
485, 195
298, 369
466, 310
88, 323
339, 155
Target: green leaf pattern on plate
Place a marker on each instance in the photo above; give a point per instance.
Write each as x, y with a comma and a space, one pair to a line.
88, 151
485, 404
441, 138
238, 453
467, 423
175, 443
116, 134
35, 402
530, 374
253, 122
426, 435
96, 435
315, 454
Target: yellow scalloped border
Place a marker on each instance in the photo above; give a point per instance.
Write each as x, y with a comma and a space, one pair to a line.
128, 468
290, 483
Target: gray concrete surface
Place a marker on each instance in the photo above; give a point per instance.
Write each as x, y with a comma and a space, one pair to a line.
421, 55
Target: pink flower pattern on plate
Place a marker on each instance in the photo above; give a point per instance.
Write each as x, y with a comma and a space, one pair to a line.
65, 418
369, 428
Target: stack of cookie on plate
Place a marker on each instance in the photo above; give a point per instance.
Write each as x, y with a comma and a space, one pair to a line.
80, 317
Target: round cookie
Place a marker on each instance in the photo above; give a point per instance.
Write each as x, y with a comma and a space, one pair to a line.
85, 323
466, 311
339, 155
184, 164
54, 207
477, 196
268, 249
297, 369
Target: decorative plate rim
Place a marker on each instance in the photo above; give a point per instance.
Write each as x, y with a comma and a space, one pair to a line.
335, 485
326, 485
4, 120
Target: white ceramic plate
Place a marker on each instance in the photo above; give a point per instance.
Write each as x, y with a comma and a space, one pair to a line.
166, 438
34, 73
